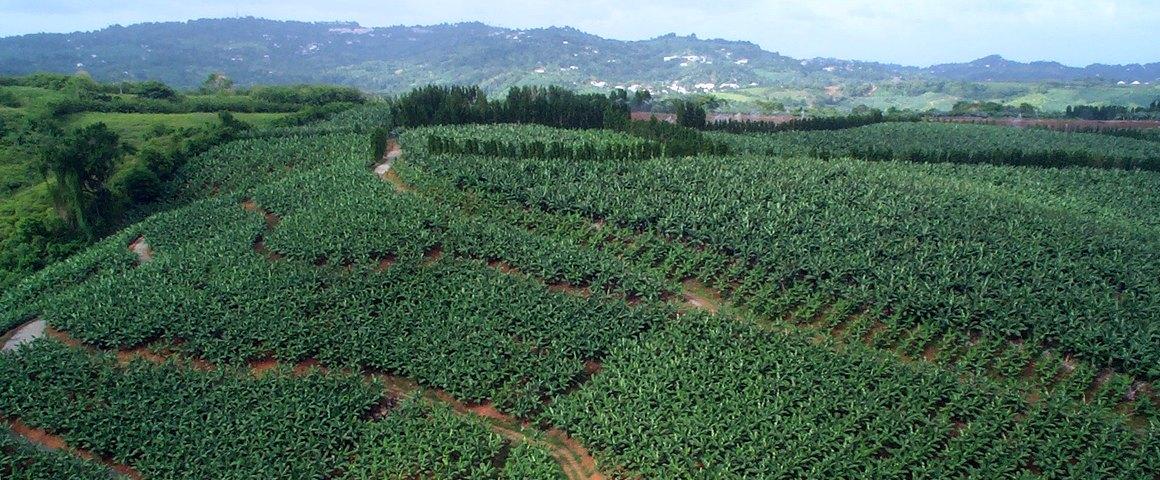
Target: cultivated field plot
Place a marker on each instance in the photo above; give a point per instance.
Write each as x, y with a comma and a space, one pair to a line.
517, 302
958, 143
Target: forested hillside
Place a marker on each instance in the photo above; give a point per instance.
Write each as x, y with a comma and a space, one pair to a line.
398, 58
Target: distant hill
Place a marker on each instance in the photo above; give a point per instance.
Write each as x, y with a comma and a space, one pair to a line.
996, 68
392, 59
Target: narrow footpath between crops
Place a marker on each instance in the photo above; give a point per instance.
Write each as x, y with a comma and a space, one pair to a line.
821, 326
383, 168
35, 328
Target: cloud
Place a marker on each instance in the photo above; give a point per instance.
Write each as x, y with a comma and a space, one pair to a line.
916, 32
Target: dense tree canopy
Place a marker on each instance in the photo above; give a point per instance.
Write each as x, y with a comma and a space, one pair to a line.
79, 165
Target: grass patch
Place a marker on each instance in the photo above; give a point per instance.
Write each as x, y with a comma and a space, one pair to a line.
136, 128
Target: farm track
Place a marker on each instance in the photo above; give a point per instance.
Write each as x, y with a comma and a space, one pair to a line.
383, 168
823, 327
574, 458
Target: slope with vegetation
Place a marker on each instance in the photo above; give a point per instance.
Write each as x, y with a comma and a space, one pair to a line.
499, 309
80, 159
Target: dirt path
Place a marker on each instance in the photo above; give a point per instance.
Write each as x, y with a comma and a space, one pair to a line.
272, 220
575, 460
383, 169
1063, 124
143, 250
700, 297
23, 334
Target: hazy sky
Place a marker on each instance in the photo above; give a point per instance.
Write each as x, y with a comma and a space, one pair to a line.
913, 32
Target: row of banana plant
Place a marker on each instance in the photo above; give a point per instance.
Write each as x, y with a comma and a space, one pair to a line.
341, 213
957, 143
171, 421
456, 324
423, 440
706, 397
515, 141
945, 246
21, 460
244, 164
990, 356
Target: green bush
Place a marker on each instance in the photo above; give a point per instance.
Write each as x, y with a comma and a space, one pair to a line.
137, 184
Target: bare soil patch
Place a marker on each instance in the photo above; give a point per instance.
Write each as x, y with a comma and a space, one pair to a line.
573, 457
700, 297
385, 262
433, 255
569, 289
260, 367
930, 353
141, 247
1090, 393
878, 328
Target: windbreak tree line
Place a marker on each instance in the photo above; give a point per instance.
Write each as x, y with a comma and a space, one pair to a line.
551, 106
640, 140
1111, 112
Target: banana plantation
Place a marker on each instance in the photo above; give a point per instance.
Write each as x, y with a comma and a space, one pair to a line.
550, 302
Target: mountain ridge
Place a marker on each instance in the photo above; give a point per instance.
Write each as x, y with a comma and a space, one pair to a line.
396, 58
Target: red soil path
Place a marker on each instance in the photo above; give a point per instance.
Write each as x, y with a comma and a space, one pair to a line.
43, 438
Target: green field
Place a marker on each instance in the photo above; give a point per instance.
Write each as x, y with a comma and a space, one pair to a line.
158, 130
521, 301
136, 128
